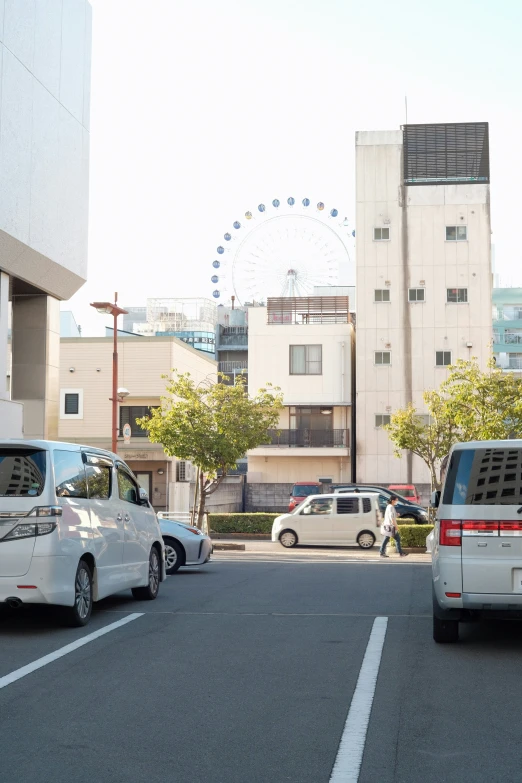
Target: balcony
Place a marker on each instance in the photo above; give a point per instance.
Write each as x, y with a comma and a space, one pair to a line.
507, 339
233, 367
290, 310
307, 439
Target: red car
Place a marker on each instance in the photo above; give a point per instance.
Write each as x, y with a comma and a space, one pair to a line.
408, 491
301, 490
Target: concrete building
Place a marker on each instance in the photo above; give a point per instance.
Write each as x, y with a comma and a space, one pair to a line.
304, 346
507, 328
85, 386
232, 341
192, 319
68, 325
45, 51
423, 275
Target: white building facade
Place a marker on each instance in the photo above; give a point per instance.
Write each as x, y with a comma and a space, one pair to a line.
424, 282
304, 346
45, 51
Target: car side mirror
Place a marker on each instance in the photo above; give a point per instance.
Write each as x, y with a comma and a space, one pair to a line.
144, 498
435, 499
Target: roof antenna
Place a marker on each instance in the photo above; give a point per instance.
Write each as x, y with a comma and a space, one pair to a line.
406, 107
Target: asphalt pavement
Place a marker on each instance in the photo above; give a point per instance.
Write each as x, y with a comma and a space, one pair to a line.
245, 672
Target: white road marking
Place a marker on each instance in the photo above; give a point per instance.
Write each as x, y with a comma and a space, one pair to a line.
40, 662
351, 748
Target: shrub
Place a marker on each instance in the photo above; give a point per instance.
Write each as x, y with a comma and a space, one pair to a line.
414, 535
241, 523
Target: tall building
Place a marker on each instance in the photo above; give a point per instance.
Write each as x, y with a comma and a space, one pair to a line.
192, 319
423, 238
45, 51
507, 328
232, 342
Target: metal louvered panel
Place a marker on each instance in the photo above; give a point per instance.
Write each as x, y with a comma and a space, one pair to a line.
450, 153
308, 310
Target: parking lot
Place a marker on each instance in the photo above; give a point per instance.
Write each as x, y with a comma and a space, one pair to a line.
246, 671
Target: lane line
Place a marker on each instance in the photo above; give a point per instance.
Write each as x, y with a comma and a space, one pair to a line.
40, 662
351, 747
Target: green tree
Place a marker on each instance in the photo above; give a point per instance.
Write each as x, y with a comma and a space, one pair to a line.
212, 425
471, 404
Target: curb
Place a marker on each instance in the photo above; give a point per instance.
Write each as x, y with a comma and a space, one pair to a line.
227, 547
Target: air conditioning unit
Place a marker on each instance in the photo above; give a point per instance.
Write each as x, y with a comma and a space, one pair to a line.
185, 471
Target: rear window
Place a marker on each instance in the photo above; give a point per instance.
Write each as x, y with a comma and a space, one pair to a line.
484, 477
303, 490
22, 472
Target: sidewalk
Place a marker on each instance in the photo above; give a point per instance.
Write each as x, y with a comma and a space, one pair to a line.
238, 548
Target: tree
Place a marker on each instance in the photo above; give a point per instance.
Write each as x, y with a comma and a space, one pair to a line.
471, 404
212, 425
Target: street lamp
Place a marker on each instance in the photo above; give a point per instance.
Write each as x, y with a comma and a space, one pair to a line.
109, 308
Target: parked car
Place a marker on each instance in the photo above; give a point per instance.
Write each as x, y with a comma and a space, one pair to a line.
184, 545
477, 540
405, 508
331, 520
408, 491
301, 490
74, 528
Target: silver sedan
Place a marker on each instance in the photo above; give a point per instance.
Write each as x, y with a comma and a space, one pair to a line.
184, 545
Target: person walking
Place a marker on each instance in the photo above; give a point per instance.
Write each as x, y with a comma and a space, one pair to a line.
389, 528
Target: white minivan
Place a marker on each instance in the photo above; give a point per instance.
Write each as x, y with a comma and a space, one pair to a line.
476, 545
331, 520
74, 528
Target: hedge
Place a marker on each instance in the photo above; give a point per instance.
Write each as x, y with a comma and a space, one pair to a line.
241, 523
414, 535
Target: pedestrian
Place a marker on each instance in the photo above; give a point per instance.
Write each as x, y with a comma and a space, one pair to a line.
389, 528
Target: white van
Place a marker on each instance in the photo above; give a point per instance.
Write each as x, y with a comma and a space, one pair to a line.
74, 528
476, 545
331, 520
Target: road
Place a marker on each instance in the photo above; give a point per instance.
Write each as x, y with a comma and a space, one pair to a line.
244, 672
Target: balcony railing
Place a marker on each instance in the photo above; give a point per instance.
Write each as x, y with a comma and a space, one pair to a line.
507, 339
233, 339
513, 314
308, 438
233, 366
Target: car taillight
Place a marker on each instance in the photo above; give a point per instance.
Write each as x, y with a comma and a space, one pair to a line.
479, 527
450, 533
511, 528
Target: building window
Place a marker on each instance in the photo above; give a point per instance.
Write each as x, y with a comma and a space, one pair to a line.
306, 360
457, 295
416, 295
383, 357
382, 295
442, 358
71, 403
129, 414
381, 234
382, 420
456, 233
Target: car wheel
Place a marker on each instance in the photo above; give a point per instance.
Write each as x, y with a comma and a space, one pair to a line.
79, 614
288, 538
366, 539
445, 631
174, 555
150, 592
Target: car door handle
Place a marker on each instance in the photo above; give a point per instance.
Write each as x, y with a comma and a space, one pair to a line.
119, 518
127, 518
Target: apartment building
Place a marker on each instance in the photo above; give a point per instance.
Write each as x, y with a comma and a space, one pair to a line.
423, 275
85, 409
507, 328
304, 346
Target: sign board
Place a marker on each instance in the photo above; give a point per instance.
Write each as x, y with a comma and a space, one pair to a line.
126, 433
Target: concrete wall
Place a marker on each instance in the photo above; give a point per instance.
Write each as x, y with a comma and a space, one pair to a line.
416, 255
227, 499
11, 419
45, 48
271, 498
285, 469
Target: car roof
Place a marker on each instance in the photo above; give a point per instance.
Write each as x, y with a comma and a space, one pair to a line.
52, 445
336, 495
488, 444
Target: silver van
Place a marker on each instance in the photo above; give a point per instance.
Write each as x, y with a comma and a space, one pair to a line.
74, 528
476, 545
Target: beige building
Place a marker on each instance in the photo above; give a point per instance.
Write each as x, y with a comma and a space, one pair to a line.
304, 346
85, 408
423, 275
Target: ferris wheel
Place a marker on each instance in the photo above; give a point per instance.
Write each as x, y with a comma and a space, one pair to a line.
283, 250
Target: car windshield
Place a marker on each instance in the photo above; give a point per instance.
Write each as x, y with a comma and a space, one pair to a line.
484, 476
406, 492
22, 472
303, 490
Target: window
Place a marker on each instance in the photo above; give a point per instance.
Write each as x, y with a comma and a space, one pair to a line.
442, 358
457, 295
318, 506
69, 474
367, 505
22, 472
380, 234
127, 488
382, 295
347, 505
71, 403
471, 469
306, 359
416, 295
129, 414
99, 481
456, 233
382, 420
382, 357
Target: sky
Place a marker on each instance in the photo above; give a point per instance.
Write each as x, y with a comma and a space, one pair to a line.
202, 109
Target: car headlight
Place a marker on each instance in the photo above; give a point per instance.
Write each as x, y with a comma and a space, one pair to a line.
195, 530
423, 514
